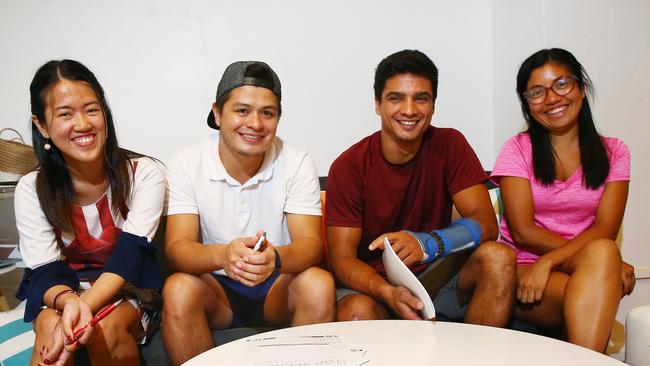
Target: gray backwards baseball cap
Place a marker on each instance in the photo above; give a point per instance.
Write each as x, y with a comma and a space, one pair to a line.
240, 73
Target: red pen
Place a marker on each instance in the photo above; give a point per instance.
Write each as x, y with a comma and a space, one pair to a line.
101, 315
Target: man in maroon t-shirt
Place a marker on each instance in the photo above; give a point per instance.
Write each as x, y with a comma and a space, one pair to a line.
401, 183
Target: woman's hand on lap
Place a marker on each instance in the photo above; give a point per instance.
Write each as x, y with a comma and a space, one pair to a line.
533, 282
629, 280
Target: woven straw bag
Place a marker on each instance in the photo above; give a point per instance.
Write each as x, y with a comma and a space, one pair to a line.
15, 156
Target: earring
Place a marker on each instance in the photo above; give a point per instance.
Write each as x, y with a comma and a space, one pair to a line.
47, 145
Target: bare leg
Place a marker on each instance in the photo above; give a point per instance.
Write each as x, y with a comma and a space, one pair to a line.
488, 278
546, 313
584, 296
592, 294
192, 306
44, 328
360, 307
304, 298
113, 340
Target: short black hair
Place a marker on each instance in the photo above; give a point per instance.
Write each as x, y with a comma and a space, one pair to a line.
405, 62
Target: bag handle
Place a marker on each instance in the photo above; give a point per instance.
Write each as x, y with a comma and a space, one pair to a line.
19, 138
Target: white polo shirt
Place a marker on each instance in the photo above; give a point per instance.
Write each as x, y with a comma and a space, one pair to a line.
287, 182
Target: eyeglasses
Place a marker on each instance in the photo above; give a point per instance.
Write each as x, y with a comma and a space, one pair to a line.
561, 86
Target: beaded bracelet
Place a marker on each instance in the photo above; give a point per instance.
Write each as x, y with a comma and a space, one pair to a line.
440, 243
56, 298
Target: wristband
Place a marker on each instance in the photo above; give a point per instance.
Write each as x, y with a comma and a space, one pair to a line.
278, 261
56, 298
439, 243
461, 235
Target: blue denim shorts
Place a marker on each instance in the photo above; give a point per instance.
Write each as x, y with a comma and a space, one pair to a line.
448, 308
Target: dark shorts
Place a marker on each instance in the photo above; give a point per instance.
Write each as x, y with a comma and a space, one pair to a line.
247, 303
448, 308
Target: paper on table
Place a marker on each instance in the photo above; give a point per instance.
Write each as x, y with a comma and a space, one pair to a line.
306, 350
400, 275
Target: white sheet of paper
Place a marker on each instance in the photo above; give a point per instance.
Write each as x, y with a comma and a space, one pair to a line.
314, 350
400, 275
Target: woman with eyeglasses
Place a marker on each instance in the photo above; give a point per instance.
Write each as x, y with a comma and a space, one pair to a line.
85, 220
564, 189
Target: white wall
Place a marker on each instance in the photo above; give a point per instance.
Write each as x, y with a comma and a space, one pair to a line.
160, 62
611, 39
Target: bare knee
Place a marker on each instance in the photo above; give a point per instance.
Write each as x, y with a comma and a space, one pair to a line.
315, 282
182, 294
111, 332
495, 261
359, 307
314, 288
600, 256
45, 322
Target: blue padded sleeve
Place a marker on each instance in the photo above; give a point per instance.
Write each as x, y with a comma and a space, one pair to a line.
461, 235
474, 228
134, 259
37, 281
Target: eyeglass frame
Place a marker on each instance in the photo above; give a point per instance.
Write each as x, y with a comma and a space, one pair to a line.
547, 88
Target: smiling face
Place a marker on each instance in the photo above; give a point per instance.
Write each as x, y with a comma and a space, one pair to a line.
74, 122
558, 114
406, 107
248, 122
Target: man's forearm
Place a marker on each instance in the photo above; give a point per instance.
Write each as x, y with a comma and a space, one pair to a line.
300, 255
193, 257
360, 276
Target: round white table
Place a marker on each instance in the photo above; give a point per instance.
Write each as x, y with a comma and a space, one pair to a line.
408, 342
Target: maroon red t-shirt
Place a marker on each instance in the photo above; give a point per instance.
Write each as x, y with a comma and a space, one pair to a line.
364, 190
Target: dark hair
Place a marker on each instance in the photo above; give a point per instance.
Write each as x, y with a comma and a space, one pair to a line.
53, 183
593, 153
405, 62
254, 71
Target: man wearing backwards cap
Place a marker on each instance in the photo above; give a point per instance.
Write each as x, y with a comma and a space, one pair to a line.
235, 188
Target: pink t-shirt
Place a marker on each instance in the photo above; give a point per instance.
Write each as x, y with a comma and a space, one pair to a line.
566, 208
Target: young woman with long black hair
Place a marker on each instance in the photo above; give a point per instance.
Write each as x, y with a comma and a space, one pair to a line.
564, 188
85, 219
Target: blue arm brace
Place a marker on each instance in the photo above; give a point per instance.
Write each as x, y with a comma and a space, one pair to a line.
462, 234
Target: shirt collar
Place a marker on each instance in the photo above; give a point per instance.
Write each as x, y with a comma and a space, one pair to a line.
219, 173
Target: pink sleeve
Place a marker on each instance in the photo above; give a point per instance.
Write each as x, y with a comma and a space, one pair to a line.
619, 161
513, 160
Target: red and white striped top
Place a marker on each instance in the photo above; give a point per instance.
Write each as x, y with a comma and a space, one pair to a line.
96, 227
